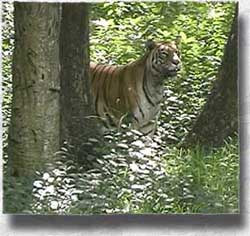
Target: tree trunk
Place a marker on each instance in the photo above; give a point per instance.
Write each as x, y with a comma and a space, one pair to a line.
34, 126
219, 117
76, 102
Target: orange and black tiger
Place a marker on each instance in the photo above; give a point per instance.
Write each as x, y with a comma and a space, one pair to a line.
135, 89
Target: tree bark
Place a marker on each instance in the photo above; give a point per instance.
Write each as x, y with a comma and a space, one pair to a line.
219, 117
76, 101
34, 126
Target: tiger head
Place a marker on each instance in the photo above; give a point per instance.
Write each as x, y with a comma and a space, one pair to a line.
164, 58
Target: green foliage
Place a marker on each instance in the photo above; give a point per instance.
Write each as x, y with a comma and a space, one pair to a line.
158, 179
136, 175
17, 194
131, 173
7, 51
119, 32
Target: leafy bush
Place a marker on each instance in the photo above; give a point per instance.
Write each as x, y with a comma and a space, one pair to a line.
130, 173
119, 32
136, 175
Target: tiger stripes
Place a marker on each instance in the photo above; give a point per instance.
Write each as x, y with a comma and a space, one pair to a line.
135, 90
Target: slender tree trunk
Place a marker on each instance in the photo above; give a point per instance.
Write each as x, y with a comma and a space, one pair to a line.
34, 127
76, 103
219, 118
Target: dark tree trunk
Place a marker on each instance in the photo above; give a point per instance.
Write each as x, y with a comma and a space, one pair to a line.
76, 103
34, 127
219, 118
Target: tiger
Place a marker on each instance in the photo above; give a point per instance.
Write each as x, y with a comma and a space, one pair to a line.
135, 90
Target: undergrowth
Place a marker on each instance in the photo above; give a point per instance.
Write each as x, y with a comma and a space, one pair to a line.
141, 176
130, 173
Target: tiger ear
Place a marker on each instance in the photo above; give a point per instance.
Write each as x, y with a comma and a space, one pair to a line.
178, 40
150, 44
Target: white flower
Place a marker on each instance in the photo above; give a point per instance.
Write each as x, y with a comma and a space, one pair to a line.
38, 184
154, 145
41, 192
51, 179
138, 186
56, 172
147, 151
46, 176
74, 198
131, 178
152, 163
102, 22
50, 189
134, 167
54, 205
138, 144
136, 155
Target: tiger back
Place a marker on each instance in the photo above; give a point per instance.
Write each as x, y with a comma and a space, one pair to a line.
135, 89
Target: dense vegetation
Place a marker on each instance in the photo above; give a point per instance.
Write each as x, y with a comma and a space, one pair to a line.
130, 173
204, 29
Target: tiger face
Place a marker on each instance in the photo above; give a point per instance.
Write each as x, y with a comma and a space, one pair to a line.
165, 58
